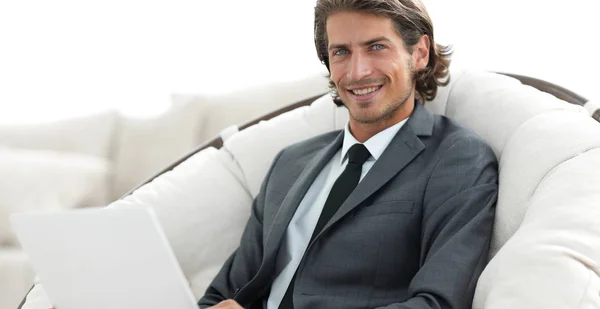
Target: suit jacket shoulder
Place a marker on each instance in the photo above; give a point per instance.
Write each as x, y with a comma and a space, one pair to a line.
447, 132
305, 149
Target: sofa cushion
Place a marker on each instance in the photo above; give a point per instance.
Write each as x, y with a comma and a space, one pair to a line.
37, 298
144, 146
553, 260
36, 180
254, 148
242, 105
536, 148
203, 209
90, 135
16, 277
495, 105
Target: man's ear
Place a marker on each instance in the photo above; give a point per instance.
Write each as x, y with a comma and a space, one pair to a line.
421, 53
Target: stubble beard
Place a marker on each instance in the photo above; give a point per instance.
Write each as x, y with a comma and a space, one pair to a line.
389, 110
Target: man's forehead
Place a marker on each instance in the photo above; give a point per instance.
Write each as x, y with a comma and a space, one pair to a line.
356, 28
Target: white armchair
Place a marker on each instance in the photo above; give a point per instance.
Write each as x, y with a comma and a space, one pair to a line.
546, 244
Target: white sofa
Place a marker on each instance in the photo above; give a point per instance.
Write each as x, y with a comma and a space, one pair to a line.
94, 160
546, 244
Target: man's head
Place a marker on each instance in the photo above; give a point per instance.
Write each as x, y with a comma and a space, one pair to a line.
379, 53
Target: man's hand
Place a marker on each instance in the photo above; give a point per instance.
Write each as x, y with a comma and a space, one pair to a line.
227, 304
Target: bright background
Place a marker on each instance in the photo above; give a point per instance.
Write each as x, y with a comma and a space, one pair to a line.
61, 59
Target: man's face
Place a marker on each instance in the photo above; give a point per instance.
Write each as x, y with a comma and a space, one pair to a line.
370, 66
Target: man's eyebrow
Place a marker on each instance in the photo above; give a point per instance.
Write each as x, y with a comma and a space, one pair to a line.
367, 43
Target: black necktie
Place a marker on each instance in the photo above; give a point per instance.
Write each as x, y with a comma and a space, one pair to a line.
343, 186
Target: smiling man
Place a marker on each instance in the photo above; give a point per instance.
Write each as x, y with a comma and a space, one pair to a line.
394, 211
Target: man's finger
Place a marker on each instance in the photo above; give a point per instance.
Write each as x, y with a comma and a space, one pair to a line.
229, 303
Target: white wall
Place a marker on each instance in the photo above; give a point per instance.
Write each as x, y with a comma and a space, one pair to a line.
64, 58
550, 39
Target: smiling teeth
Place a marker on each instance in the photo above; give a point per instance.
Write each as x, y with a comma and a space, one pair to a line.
364, 91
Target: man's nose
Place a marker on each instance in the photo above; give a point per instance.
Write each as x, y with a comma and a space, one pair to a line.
359, 67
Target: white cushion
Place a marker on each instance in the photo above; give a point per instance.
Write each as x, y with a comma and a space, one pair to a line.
144, 146
16, 277
495, 105
592, 106
48, 180
536, 148
553, 260
240, 106
439, 103
37, 298
91, 135
203, 209
255, 147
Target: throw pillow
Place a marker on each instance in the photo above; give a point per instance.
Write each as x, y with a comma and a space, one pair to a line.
35, 180
203, 209
90, 135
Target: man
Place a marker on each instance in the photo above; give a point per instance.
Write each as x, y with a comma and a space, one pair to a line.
414, 232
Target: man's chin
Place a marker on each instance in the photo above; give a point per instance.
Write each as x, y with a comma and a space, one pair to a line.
365, 118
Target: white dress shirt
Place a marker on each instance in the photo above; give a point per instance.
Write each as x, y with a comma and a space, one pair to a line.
305, 219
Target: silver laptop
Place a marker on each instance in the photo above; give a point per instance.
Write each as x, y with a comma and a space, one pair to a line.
99, 258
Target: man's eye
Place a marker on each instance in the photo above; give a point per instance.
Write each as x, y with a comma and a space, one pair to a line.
377, 47
340, 52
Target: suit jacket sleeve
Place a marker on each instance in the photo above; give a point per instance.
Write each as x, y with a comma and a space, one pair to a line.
458, 214
244, 263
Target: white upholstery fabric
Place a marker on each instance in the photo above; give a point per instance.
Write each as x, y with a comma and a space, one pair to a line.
254, 154
592, 106
536, 148
37, 298
145, 146
203, 209
495, 105
89, 135
35, 180
553, 261
247, 104
228, 132
49, 182
15, 277
439, 103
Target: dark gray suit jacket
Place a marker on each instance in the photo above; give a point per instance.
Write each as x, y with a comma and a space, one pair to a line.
413, 234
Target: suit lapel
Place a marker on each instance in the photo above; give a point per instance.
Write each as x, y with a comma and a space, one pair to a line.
403, 148
296, 194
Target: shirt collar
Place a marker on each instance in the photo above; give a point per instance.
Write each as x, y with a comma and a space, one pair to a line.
376, 144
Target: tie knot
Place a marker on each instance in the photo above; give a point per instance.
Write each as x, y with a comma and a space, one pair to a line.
358, 154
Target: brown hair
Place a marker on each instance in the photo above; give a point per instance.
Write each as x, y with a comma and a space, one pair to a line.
411, 21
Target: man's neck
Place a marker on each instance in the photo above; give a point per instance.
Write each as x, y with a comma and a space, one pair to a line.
362, 132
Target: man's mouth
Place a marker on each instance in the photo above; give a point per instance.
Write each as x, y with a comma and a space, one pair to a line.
363, 92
